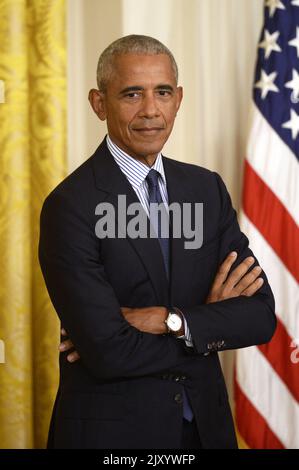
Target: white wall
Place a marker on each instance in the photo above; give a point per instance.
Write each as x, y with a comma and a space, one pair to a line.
214, 42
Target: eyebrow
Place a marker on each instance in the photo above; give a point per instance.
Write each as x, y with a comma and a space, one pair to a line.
130, 89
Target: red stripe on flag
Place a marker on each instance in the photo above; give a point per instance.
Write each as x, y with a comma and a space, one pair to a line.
278, 353
252, 426
271, 218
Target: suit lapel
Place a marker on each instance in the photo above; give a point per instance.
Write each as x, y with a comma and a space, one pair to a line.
178, 188
109, 178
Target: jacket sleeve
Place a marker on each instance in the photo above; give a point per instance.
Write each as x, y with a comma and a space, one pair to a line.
69, 255
237, 322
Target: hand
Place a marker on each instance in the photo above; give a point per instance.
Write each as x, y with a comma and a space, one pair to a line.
146, 319
66, 345
238, 282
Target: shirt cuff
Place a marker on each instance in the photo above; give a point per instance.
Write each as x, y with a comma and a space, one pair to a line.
187, 336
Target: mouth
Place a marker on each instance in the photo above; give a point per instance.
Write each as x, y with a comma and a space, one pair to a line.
148, 130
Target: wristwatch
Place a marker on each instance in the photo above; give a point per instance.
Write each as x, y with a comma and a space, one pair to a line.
173, 322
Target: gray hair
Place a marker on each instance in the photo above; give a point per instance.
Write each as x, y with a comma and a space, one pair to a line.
132, 44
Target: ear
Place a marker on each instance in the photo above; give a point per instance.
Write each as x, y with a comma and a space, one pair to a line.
97, 102
179, 93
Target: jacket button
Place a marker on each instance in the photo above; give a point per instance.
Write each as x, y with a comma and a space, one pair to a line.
177, 378
178, 398
183, 377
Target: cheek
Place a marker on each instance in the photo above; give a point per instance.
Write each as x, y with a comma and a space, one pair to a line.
125, 117
170, 114
116, 122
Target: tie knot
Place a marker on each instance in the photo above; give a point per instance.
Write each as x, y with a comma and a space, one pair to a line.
152, 178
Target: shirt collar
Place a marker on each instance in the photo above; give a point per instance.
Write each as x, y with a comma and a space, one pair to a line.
135, 170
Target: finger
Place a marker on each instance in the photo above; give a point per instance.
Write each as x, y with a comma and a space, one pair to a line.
239, 272
223, 270
255, 286
63, 332
248, 279
66, 345
74, 356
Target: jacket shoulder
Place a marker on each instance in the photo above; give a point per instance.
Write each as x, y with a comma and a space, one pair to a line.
190, 168
76, 180
193, 174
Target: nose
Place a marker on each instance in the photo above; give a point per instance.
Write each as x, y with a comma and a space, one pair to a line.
149, 107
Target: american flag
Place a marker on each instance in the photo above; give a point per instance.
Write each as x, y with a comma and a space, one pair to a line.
267, 376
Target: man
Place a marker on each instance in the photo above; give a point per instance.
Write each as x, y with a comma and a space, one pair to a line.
146, 315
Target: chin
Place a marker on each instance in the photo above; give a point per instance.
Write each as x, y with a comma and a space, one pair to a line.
149, 147
146, 150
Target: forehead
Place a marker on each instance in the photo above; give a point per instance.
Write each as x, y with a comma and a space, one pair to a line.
137, 69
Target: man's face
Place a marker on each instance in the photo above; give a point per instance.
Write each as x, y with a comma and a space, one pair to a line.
140, 103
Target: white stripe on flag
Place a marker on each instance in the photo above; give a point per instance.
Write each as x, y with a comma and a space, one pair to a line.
284, 286
269, 395
274, 162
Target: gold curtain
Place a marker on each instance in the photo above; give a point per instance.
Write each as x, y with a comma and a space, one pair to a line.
32, 162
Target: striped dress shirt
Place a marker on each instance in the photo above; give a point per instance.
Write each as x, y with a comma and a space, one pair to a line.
136, 172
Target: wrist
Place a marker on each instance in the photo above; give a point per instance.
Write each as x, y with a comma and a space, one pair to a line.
164, 318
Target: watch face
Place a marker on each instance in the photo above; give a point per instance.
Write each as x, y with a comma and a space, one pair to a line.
174, 322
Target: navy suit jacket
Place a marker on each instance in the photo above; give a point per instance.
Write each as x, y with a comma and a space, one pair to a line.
125, 391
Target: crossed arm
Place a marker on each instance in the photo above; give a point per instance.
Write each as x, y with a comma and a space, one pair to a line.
226, 285
132, 342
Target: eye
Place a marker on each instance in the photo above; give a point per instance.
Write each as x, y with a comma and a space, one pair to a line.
164, 93
132, 94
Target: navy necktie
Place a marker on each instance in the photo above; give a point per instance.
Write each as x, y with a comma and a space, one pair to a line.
155, 197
